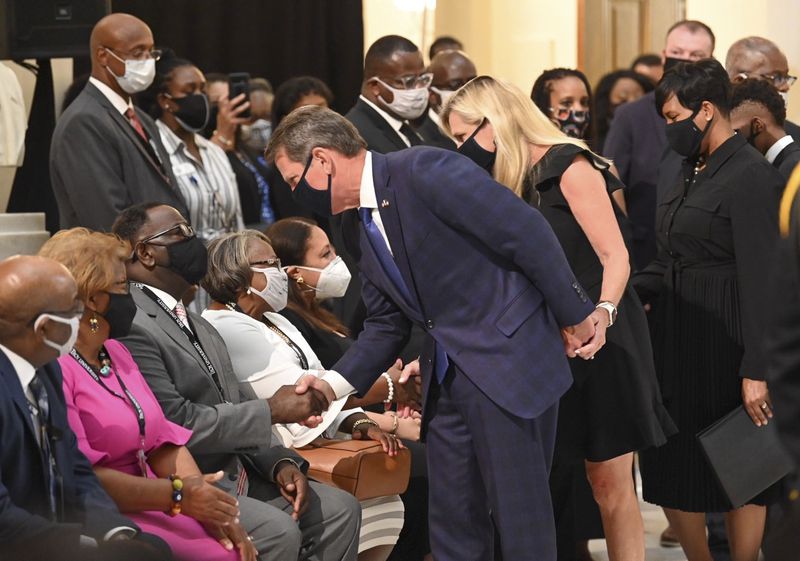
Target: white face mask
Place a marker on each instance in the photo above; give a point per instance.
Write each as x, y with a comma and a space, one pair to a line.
445, 95
333, 279
785, 96
74, 325
407, 104
276, 293
138, 75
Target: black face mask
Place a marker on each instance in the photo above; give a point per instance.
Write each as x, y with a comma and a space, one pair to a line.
316, 200
119, 315
193, 112
189, 259
685, 138
212, 121
670, 63
477, 153
573, 125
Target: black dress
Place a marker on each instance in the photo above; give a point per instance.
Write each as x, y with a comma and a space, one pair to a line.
716, 232
614, 405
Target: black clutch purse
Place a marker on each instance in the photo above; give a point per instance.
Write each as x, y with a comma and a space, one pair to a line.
745, 458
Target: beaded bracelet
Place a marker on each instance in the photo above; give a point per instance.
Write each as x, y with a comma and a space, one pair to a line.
177, 495
389, 398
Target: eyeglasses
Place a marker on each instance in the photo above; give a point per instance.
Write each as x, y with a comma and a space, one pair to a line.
777, 80
410, 82
183, 229
453, 85
138, 54
562, 113
267, 263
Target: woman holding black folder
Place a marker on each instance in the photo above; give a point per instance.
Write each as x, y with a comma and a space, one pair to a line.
716, 231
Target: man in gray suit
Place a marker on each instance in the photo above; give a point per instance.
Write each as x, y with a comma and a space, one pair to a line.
106, 155
187, 366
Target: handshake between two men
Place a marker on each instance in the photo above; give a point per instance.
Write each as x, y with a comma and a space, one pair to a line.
305, 401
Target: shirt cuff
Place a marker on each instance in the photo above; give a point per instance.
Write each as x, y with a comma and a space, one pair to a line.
279, 462
125, 530
341, 387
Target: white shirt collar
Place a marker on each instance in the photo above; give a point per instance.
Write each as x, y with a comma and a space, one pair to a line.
395, 123
367, 196
777, 148
173, 143
25, 370
116, 100
169, 300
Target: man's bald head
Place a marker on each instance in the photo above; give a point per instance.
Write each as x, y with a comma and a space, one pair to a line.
756, 57
30, 285
125, 36
449, 67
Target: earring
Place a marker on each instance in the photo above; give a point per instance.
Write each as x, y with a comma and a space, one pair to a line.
248, 291
299, 279
94, 325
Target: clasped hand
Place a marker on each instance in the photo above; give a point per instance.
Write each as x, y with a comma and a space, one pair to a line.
587, 337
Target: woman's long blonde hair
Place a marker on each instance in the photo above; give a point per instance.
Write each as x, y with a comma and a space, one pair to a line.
516, 121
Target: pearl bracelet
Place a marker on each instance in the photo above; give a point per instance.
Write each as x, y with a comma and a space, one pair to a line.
389, 398
364, 422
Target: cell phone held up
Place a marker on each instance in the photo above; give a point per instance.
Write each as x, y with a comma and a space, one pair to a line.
239, 83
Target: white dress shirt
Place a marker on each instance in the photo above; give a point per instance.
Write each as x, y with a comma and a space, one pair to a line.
116, 100
393, 122
263, 359
777, 148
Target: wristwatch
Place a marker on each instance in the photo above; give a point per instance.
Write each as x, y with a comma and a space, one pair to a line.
611, 309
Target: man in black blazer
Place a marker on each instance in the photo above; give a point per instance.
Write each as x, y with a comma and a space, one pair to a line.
394, 91
51, 503
637, 144
451, 70
106, 154
760, 58
759, 114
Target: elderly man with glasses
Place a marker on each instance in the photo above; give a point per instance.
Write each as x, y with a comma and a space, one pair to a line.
106, 154
761, 59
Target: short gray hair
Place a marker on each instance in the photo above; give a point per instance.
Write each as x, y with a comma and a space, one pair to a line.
310, 127
229, 265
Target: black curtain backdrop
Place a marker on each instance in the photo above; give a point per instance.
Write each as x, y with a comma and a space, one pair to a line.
273, 39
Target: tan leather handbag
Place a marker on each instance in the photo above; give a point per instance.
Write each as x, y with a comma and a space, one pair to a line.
360, 467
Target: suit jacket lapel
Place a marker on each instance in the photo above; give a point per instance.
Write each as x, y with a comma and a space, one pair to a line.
128, 131
17, 395
383, 125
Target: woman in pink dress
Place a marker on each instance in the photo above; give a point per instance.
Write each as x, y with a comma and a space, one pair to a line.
139, 456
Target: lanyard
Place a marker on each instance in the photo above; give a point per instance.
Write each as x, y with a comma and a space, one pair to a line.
301, 356
140, 418
188, 332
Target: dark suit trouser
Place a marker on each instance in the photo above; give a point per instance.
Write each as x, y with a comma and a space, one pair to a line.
487, 469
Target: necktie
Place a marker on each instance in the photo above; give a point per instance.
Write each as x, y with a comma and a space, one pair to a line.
136, 123
180, 311
43, 406
413, 138
390, 267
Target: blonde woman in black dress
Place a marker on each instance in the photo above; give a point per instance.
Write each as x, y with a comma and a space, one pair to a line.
614, 407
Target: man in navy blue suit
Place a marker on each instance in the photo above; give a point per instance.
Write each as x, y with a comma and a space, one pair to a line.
441, 245
51, 503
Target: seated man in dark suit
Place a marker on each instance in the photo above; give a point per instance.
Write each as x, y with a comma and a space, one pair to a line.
759, 114
186, 363
394, 91
451, 70
106, 154
760, 58
637, 144
51, 503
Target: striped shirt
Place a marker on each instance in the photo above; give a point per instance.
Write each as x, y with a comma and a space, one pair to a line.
208, 186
